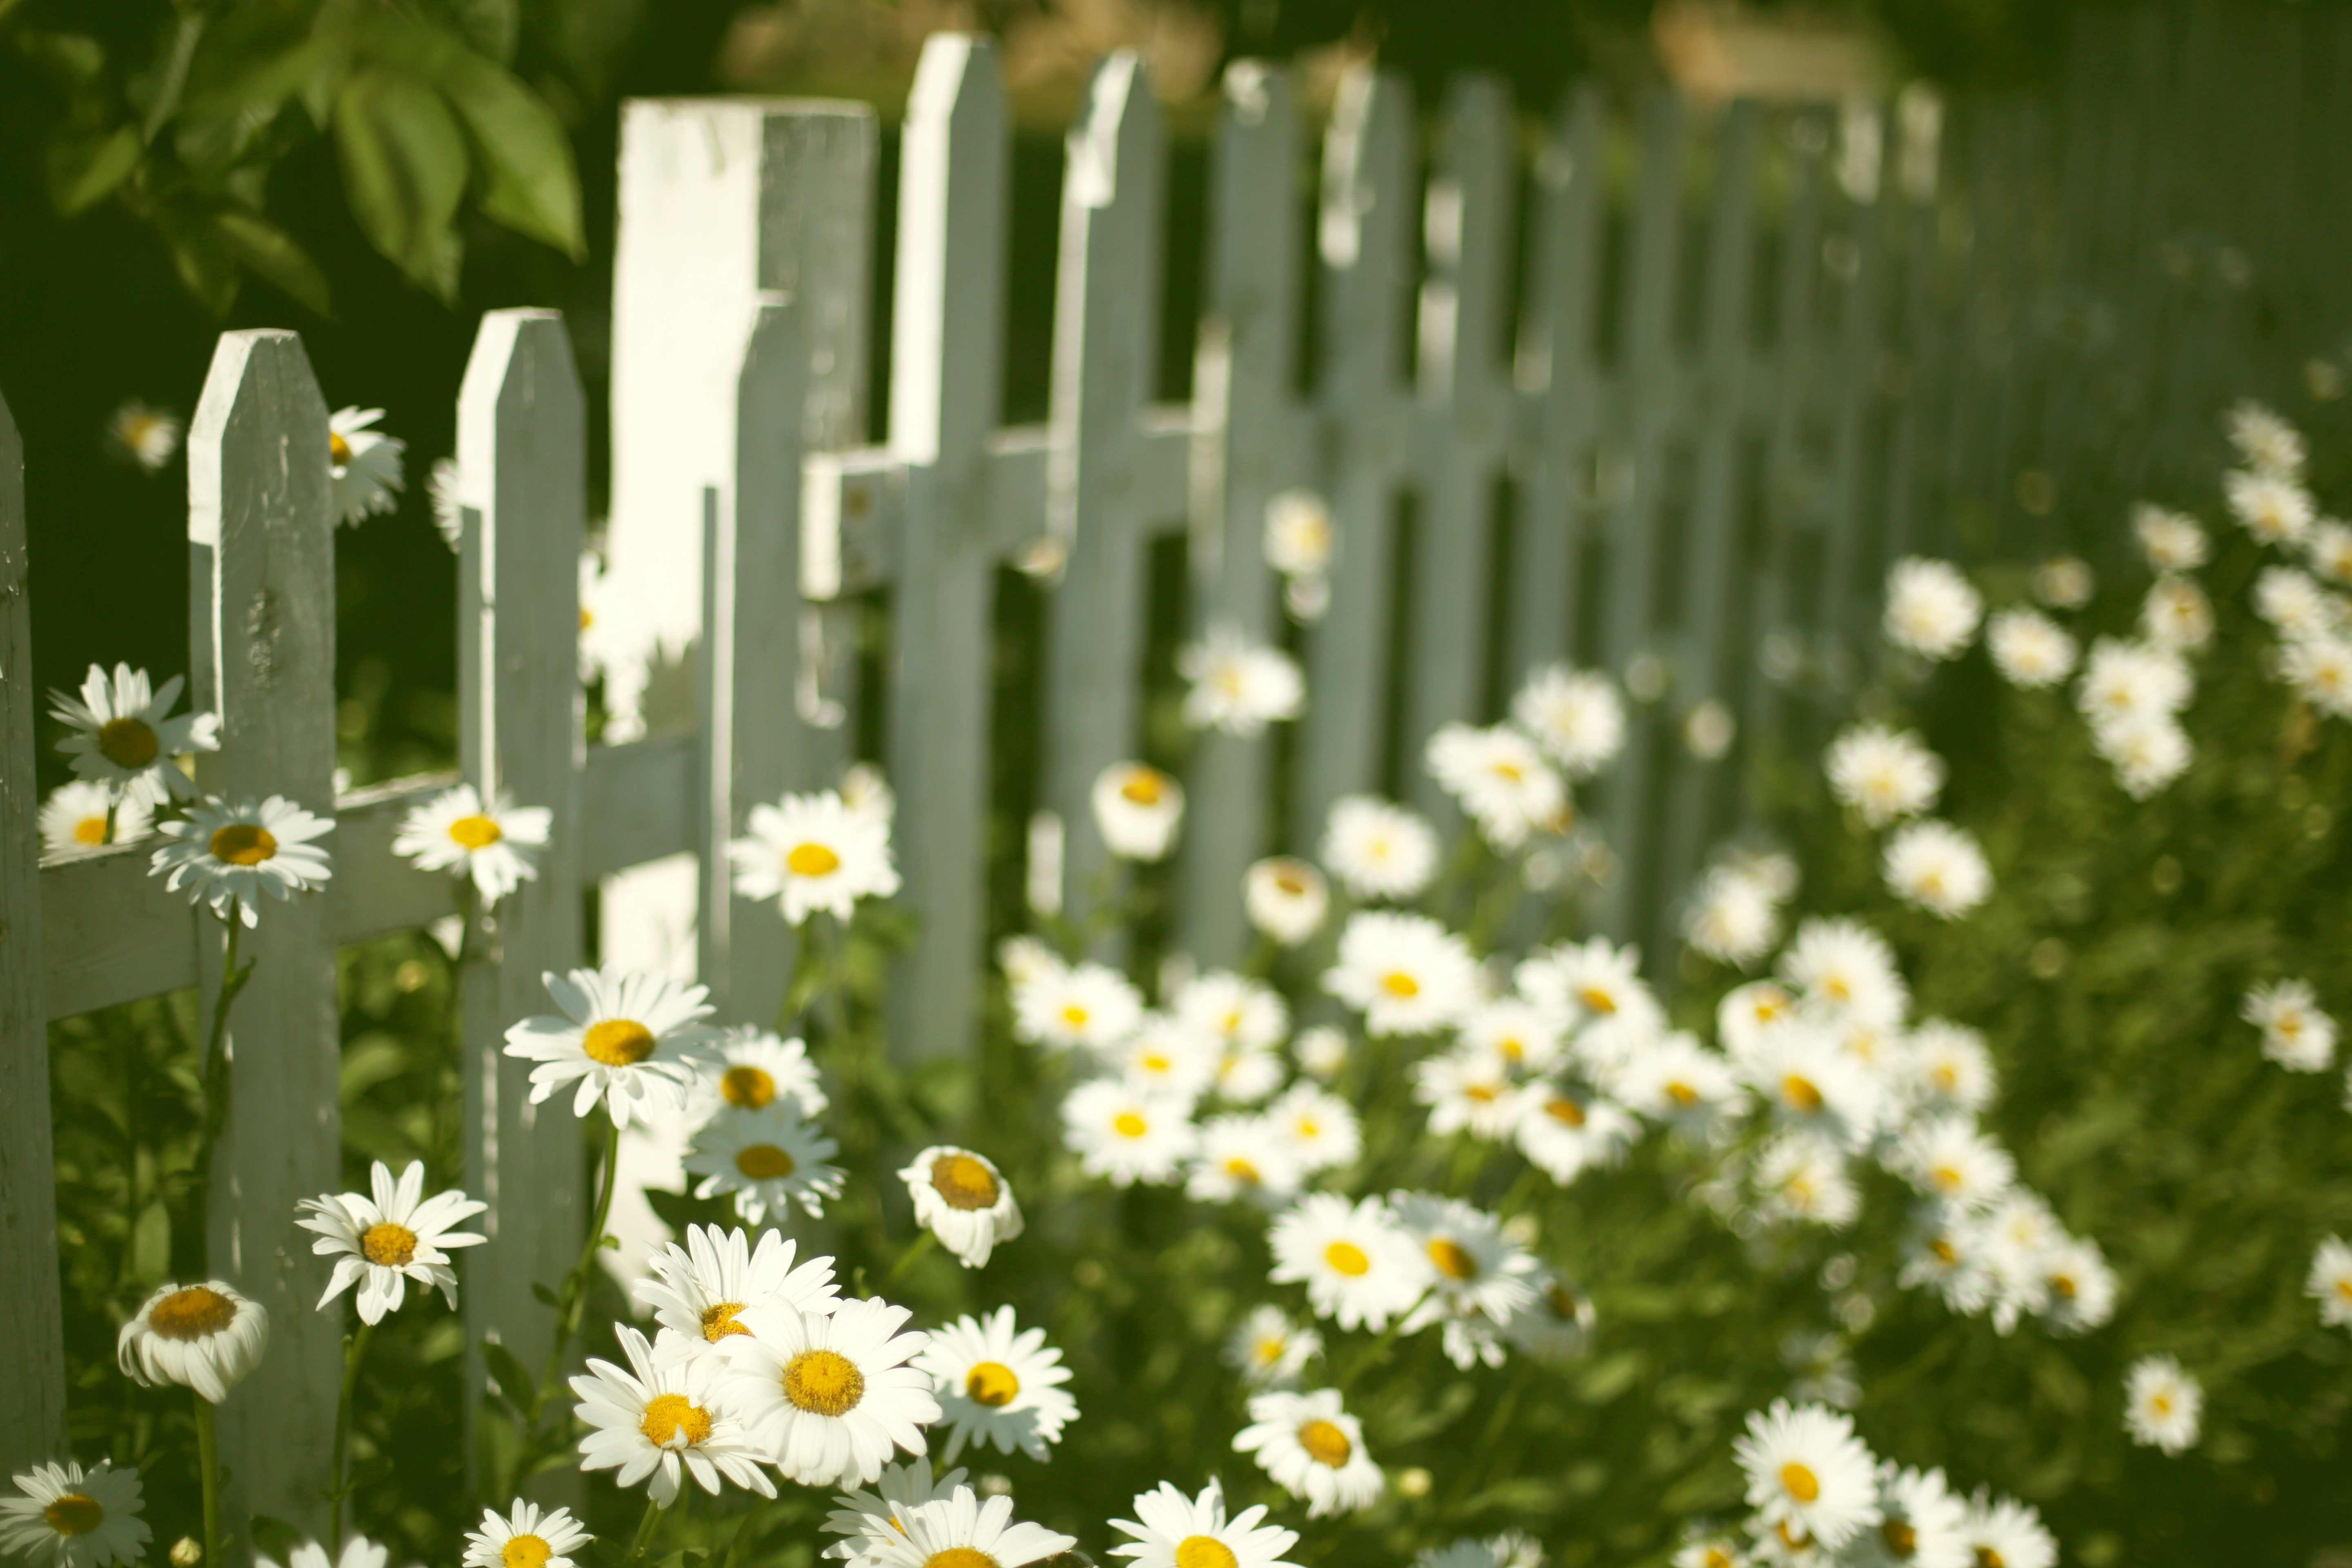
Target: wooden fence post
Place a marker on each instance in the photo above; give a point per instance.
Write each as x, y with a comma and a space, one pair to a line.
261, 579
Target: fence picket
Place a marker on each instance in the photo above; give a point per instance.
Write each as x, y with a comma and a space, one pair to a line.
261, 578
1844, 600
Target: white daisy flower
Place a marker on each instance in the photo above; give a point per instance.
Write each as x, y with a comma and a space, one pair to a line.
754, 1068
2147, 752
1237, 687
2176, 615
2268, 443
663, 1417
1245, 1075
1378, 850
1500, 780
812, 852
1557, 1326
2082, 1286
998, 1386
124, 738
1884, 774
2006, 1531
1591, 982
1846, 969
635, 1041
1321, 1050
2329, 1283
2172, 540
497, 845
2273, 509
1945, 1251
878, 1518
1233, 1009
359, 1552
2063, 581
1087, 1004
1807, 1470
866, 791
2295, 604
1137, 809
1299, 533
964, 1200
1565, 1130
828, 1398
1816, 1086
1026, 958
699, 1291
523, 1537
1680, 1082
1314, 1449
1750, 1012
1269, 1350
1802, 1177
769, 1160
1242, 1157
1574, 714
147, 437
74, 817
1477, 1278
1466, 1091
1285, 899
67, 1517
1173, 1531
1359, 1267
1946, 1157
1517, 1035
205, 1337
604, 643
2319, 668
1406, 973
1165, 1057
1316, 1129
960, 1532
2163, 1406
1706, 1551
1124, 1136
2329, 547
1731, 918
1923, 1524
227, 856
2295, 1033
1937, 868
1931, 610
393, 1233
365, 464
445, 492
1951, 1066
2030, 651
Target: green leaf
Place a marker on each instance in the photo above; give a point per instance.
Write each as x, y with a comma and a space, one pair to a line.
150, 1244
84, 168
514, 1382
489, 26
274, 1537
545, 1297
405, 168
271, 252
201, 255
531, 184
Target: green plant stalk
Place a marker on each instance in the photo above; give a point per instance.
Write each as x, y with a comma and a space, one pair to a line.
916, 1248
208, 1466
745, 1533
215, 1080
354, 1350
833, 962
575, 1295
645, 1531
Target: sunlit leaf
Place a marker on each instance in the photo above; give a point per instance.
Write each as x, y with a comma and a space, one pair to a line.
404, 167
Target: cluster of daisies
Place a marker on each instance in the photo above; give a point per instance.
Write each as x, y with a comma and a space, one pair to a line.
364, 463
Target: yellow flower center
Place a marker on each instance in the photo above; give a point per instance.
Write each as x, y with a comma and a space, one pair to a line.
960, 1557
1562, 1109
128, 743
244, 844
2343, 1288
671, 1416
476, 832
74, 1514
1307, 1127
1563, 1301
1900, 1538
1452, 1259
2064, 1284
389, 1245
764, 1162
1988, 1558
90, 830
1837, 989
1241, 1169
1325, 1443
1681, 1094
1597, 999
1799, 1094
1946, 1177
1945, 1253
823, 1383
1144, 786
747, 1088
1942, 1075
1505, 771
2160, 1402
339, 451
719, 1321
1152, 1061
1205, 1552
1347, 1257
1513, 1048
1290, 885
1128, 1124
525, 1551
1397, 983
964, 1183
1483, 1093
587, 617
1074, 1015
811, 860
194, 1313
1799, 1482
992, 1383
617, 1042
1269, 1349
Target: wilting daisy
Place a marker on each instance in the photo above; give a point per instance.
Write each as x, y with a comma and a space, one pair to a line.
227, 856
964, 1200
1359, 1267
998, 1385
2273, 509
1314, 1449
663, 1417
1884, 774
2295, 1033
1731, 918
1922, 1527
1847, 969
1126, 1136
699, 1291
960, 1531
1802, 1177
1946, 1157
67, 1517
1406, 973
1173, 1531
2006, 1531
1378, 850
2172, 541
1937, 868
388, 1235
124, 738
1931, 610
1137, 808
1242, 1157
497, 844
2176, 615
2329, 547
634, 1040
812, 852
523, 1537
146, 435
1563, 1130
756, 1066
2063, 581
2319, 669
1285, 899
2268, 443
365, 464
2030, 649
829, 1398
74, 817
205, 1337
1087, 1004
1237, 687
1500, 780
877, 1519
2163, 1406
1949, 1067
2330, 1283
1807, 1470
1269, 1350
1576, 715
769, 1160
1317, 1129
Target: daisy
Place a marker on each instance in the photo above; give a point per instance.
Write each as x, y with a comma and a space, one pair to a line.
1466, 1091
1173, 1531
960, 1532
635, 1041
964, 1200
828, 1398
878, 1518
1285, 899
1937, 868
1680, 1082
365, 465
1500, 780
523, 1537
124, 738
1246, 1074
2128, 680
1731, 918
2030, 649
1233, 1010
1137, 809
2329, 549
1406, 973
1321, 1050
74, 817
1846, 969
1951, 1066
1378, 850
604, 643
1517, 1035
769, 1160
445, 492
2147, 752
1299, 533
147, 437
812, 852
1086, 1005
1165, 1057
2163, 1406
866, 792
1318, 1130
1945, 1252
497, 845
998, 1387
1473, 1270
2294, 602
1269, 1350
1802, 1177
2176, 615
1574, 714
700, 1291
2274, 510
228, 856
1359, 1267
2329, 1283
756, 1066
2172, 541
2295, 1033
2319, 668
1314, 1449
1930, 609
1241, 1156
1704, 1551
1564, 1131
2003, 1531
1807, 1470
2063, 581
1923, 1524
72, 1518
2268, 443
1884, 774
359, 1552
1237, 687
1557, 1326
2082, 1286
1815, 1085
664, 1417
1946, 1157
1748, 1013
1588, 982
382, 1241
205, 1337
1126, 1137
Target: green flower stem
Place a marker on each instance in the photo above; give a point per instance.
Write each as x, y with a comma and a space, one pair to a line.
354, 1349
646, 1531
208, 1465
832, 938
745, 1533
573, 1299
916, 1248
113, 805
1380, 1348
216, 1073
